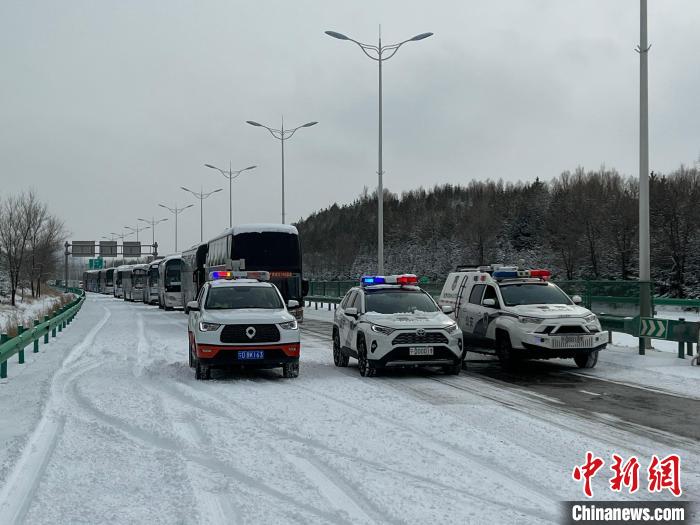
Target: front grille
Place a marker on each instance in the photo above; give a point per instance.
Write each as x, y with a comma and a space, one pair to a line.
575, 341
236, 333
412, 338
574, 329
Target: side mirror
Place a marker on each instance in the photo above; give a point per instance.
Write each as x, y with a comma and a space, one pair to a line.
489, 302
292, 303
352, 312
448, 309
577, 299
304, 287
192, 305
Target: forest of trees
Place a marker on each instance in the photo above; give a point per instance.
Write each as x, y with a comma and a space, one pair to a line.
581, 225
31, 239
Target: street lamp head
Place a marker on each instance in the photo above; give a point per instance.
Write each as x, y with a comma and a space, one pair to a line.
210, 166
216, 190
253, 123
183, 188
163, 206
335, 34
309, 124
144, 220
250, 168
420, 37
188, 206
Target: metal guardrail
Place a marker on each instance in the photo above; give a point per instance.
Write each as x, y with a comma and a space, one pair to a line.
10, 346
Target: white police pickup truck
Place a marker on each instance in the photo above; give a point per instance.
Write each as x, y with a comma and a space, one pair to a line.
389, 321
239, 320
518, 314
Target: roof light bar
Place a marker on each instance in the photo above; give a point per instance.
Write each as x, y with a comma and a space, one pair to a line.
227, 274
407, 278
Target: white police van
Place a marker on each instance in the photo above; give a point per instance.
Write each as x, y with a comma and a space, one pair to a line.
240, 320
389, 321
518, 314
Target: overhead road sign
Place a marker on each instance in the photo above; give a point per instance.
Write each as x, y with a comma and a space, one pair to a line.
108, 248
131, 249
83, 248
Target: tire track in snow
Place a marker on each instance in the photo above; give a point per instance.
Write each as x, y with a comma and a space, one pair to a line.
22, 482
275, 428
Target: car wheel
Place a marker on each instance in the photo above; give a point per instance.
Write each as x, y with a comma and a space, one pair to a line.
366, 367
339, 358
504, 351
202, 372
453, 370
291, 370
587, 361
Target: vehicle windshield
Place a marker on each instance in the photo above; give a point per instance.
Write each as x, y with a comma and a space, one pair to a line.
533, 293
237, 297
399, 301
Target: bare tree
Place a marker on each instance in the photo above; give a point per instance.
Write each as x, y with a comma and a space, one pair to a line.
15, 229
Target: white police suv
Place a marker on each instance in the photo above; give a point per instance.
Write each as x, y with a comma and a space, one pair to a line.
239, 320
515, 314
389, 321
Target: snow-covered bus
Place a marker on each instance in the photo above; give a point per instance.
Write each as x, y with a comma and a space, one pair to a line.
108, 281
271, 247
91, 281
134, 281
170, 283
119, 273
193, 261
150, 292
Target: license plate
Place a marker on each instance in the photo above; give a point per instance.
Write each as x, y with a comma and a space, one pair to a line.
251, 354
574, 340
420, 350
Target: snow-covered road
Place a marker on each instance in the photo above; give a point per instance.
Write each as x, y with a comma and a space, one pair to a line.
119, 431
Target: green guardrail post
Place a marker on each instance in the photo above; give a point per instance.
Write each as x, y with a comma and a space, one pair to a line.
48, 329
53, 330
20, 331
36, 339
3, 365
681, 350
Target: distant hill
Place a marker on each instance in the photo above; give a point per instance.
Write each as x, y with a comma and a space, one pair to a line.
580, 225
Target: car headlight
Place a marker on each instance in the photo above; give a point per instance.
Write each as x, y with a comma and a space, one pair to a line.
450, 328
208, 327
289, 325
530, 320
382, 329
590, 318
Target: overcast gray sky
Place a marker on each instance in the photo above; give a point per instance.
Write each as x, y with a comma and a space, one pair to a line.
108, 107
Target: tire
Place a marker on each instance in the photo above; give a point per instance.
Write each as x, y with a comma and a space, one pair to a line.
366, 367
587, 361
504, 351
339, 358
453, 370
291, 370
201, 372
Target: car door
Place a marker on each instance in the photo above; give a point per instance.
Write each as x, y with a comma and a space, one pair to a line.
486, 314
347, 321
196, 315
471, 310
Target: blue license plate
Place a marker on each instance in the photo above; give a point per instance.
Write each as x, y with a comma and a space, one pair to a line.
251, 354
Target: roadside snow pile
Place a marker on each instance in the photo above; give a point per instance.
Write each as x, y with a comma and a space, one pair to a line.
26, 310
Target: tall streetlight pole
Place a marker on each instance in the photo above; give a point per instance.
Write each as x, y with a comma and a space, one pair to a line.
175, 211
152, 223
230, 175
136, 230
282, 135
201, 195
644, 250
376, 53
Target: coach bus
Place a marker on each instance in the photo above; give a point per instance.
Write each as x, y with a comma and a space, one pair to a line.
271, 247
134, 281
169, 282
91, 280
193, 261
119, 273
108, 281
150, 292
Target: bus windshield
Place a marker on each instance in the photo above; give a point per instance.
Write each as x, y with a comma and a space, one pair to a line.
237, 297
268, 250
533, 293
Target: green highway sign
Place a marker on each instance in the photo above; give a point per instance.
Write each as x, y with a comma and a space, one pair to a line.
96, 264
650, 327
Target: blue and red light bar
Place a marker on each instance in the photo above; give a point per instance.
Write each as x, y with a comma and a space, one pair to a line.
512, 273
227, 274
404, 279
